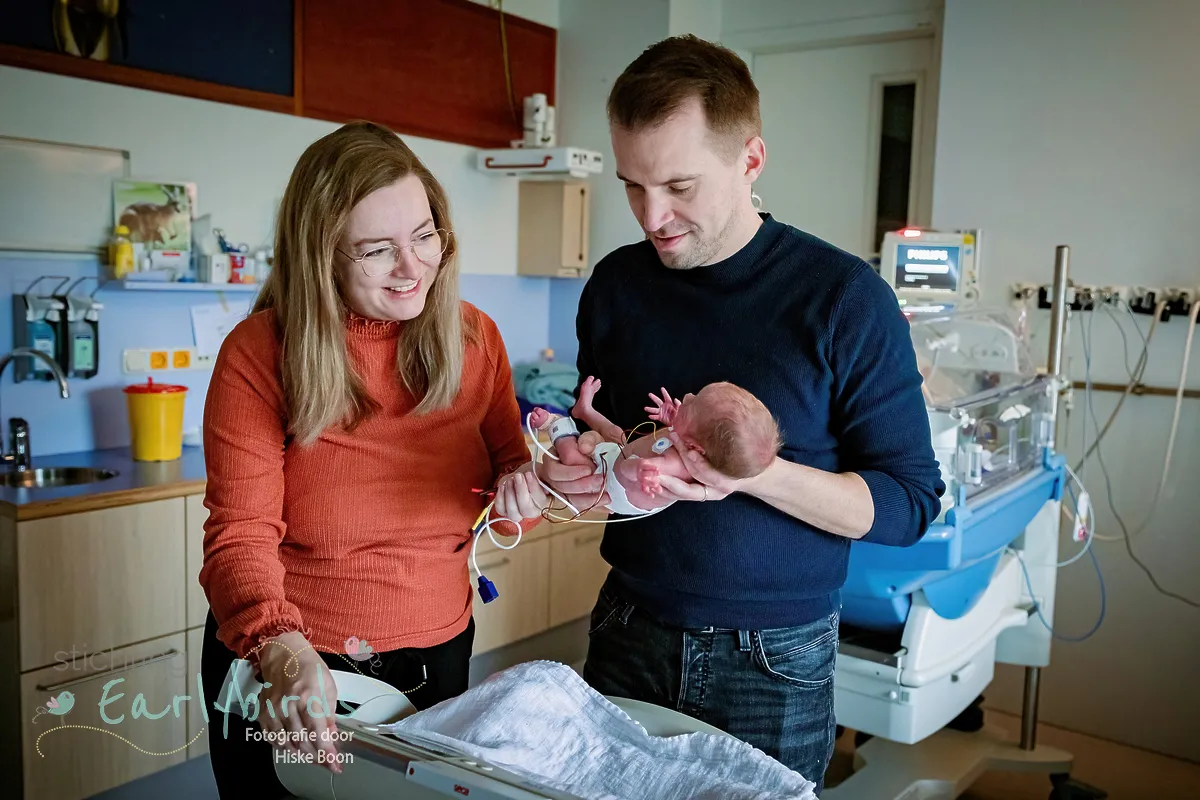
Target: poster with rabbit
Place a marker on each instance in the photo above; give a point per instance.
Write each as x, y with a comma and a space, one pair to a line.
159, 215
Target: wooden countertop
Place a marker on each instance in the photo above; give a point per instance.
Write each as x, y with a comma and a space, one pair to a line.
135, 482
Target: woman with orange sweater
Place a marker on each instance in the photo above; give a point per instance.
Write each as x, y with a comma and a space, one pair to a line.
349, 419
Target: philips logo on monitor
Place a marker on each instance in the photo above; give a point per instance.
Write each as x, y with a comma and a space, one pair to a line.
928, 255
928, 268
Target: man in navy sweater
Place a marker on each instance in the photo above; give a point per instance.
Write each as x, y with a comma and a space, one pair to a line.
726, 607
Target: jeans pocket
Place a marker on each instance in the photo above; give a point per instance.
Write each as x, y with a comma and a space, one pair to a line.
803, 656
606, 610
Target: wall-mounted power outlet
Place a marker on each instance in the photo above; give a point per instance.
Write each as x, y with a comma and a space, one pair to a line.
136, 361
154, 360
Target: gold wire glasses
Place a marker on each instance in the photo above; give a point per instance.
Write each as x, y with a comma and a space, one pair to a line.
382, 259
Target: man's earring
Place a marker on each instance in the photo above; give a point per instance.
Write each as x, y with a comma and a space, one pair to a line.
757, 201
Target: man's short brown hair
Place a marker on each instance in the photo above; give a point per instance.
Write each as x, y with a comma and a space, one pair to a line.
672, 72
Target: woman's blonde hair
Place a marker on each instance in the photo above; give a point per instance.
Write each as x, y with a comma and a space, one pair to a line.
320, 385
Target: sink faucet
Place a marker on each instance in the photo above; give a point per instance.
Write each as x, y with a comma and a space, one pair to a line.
21, 457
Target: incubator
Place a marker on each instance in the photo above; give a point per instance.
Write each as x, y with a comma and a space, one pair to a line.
991, 412
922, 627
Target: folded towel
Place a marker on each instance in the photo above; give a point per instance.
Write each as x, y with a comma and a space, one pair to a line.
542, 722
546, 383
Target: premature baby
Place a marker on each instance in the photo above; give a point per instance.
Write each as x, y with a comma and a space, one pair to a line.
729, 426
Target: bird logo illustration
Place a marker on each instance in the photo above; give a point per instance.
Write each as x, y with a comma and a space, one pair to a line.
59, 706
358, 649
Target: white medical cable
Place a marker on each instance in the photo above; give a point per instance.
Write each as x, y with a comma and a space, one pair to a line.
487, 526
578, 514
1089, 410
1037, 607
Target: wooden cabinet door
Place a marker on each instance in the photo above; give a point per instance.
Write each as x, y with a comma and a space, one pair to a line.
576, 572
99, 579
196, 726
94, 752
432, 68
197, 602
522, 607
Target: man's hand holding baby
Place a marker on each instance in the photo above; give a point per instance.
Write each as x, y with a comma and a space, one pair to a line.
710, 484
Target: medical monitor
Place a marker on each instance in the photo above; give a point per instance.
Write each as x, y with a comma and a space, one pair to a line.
931, 270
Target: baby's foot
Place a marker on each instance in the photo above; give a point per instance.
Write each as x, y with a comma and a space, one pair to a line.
648, 479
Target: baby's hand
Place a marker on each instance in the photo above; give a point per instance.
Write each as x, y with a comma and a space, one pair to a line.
648, 478
539, 417
664, 408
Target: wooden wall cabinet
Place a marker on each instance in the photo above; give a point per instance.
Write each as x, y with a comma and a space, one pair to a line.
99, 610
552, 235
452, 70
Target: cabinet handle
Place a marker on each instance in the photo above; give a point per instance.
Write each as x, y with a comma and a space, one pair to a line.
494, 565
582, 219
122, 668
580, 541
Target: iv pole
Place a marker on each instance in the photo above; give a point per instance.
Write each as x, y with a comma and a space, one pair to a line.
1058, 323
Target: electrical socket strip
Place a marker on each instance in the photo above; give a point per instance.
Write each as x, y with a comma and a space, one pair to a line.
161, 359
1141, 299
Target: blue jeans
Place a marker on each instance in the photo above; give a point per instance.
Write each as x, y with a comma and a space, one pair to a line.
771, 688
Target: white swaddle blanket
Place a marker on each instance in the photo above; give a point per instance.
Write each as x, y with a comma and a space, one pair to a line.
542, 722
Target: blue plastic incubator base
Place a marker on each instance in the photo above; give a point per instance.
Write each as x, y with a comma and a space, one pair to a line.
955, 560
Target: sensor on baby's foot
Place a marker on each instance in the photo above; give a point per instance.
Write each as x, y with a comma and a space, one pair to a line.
661, 446
563, 426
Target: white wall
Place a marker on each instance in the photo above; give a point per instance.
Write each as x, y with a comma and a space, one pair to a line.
1064, 126
596, 42
240, 158
765, 25
699, 17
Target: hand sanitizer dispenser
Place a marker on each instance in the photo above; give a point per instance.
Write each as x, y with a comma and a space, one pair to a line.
36, 325
79, 350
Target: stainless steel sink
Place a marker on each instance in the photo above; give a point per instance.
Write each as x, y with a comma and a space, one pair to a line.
56, 476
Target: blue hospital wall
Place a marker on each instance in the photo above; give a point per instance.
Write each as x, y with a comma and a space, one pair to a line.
95, 416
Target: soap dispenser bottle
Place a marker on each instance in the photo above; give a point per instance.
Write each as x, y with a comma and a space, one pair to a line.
37, 320
80, 347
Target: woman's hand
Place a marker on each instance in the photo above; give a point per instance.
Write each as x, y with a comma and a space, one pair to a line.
291, 668
519, 496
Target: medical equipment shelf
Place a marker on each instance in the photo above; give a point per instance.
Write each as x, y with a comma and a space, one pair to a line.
183, 286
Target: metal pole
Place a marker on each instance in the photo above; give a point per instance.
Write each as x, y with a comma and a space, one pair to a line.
1058, 309
1029, 712
1058, 331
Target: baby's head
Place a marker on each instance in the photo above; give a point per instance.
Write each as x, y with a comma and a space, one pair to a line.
731, 428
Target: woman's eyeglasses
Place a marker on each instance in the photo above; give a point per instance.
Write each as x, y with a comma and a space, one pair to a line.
382, 259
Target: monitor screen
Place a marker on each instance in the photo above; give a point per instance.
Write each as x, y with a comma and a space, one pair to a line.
927, 267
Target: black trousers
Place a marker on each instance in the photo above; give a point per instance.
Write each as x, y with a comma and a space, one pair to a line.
245, 767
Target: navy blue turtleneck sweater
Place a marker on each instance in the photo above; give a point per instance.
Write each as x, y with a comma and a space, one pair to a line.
818, 336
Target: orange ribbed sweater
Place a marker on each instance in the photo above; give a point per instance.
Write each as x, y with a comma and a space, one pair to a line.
363, 533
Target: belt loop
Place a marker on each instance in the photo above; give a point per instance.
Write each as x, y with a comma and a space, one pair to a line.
744, 641
626, 613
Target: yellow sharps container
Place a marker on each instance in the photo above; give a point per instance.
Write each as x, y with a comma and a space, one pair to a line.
156, 420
